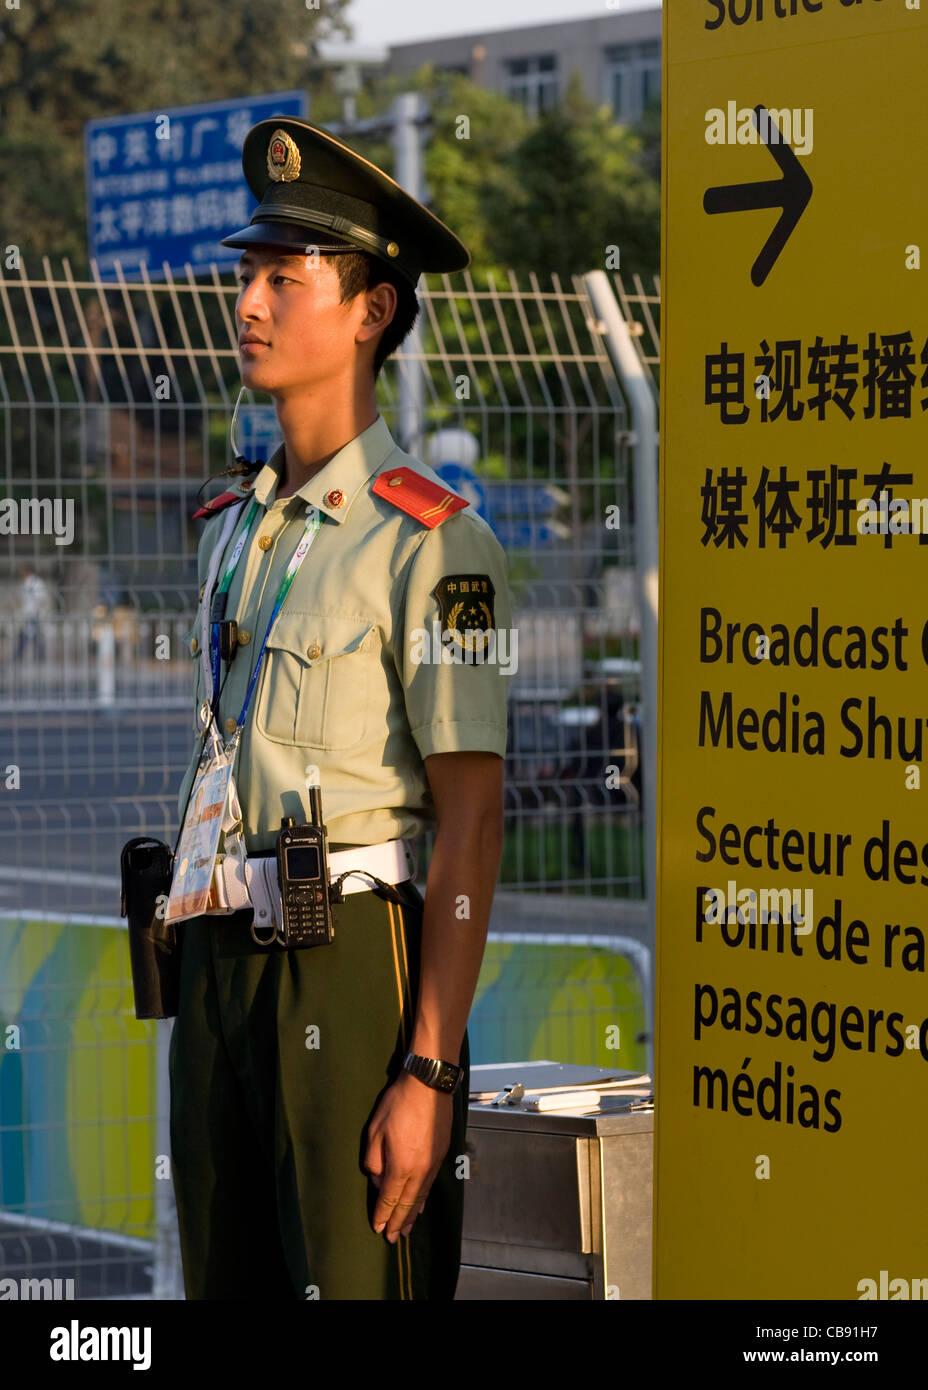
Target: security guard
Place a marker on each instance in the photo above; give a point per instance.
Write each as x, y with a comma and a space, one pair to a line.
318, 1096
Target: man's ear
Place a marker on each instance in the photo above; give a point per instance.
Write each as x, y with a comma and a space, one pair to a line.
381, 301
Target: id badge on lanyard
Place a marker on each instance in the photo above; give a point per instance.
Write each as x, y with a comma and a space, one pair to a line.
199, 839
213, 804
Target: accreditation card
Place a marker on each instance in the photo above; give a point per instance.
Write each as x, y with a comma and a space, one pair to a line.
199, 840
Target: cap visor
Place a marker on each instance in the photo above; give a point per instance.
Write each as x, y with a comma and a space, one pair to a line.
287, 236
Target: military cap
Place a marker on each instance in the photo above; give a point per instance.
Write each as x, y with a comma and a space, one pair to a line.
313, 190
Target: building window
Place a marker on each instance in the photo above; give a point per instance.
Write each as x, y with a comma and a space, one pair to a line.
533, 82
632, 79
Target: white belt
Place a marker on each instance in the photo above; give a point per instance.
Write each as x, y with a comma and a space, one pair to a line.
392, 862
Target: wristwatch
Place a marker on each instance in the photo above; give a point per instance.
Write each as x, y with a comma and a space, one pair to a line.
441, 1076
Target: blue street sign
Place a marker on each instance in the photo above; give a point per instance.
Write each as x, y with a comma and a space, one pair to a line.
523, 535
257, 431
523, 499
167, 185
464, 481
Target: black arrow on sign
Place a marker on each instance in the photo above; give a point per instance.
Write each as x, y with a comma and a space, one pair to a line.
791, 193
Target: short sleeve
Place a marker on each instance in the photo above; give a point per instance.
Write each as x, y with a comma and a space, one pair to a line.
457, 649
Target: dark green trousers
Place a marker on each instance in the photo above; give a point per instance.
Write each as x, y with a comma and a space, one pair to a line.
277, 1062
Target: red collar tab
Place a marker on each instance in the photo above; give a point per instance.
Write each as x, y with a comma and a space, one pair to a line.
431, 503
217, 504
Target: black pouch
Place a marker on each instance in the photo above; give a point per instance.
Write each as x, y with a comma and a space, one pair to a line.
146, 868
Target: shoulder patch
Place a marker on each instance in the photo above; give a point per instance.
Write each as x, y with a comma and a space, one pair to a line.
431, 503
217, 504
465, 603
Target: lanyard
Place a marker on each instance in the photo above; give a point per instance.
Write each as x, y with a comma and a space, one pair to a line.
310, 530
218, 604
205, 714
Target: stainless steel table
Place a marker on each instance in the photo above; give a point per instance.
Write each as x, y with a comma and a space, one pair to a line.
558, 1204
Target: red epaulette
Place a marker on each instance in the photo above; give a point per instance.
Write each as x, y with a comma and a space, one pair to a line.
431, 503
217, 504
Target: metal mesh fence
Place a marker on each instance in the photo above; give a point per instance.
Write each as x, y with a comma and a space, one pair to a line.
115, 403
115, 400
641, 310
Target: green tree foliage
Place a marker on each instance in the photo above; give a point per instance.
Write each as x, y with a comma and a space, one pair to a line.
546, 195
574, 188
62, 65
475, 137
649, 130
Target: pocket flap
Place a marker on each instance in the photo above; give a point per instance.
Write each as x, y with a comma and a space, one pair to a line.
317, 637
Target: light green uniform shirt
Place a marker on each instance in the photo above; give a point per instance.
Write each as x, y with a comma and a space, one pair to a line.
345, 697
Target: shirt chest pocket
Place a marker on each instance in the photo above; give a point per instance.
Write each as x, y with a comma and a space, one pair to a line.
317, 680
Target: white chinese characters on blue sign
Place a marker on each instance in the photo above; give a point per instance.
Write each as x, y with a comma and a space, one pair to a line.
166, 186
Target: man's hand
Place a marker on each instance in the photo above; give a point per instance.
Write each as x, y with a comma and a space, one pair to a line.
408, 1138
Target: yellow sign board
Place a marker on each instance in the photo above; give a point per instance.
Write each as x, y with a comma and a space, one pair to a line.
792, 1008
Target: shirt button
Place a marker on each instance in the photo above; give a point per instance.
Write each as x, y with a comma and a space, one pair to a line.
230, 726
194, 646
265, 542
202, 590
313, 651
244, 637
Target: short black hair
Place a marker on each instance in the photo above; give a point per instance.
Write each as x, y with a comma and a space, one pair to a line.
358, 272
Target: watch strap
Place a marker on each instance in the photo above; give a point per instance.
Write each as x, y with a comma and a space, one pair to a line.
433, 1072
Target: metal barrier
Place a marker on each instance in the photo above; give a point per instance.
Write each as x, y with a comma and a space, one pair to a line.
86, 1204
85, 663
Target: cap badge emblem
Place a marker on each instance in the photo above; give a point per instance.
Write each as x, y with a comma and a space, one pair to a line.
283, 157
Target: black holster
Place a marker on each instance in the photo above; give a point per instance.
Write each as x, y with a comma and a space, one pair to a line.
146, 868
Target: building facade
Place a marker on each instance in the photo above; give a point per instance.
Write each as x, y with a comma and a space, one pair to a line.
617, 55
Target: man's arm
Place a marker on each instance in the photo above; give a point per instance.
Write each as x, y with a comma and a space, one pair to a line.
467, 789
410, 1131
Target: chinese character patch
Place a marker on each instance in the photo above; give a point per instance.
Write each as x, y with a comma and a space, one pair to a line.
465, 602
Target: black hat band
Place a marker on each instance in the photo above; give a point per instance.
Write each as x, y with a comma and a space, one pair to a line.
328, 222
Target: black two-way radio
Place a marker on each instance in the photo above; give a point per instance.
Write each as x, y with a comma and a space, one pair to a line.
303, 875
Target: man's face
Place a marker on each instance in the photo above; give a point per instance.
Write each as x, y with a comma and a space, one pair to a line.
292, 305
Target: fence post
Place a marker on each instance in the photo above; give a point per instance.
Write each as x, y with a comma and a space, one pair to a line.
408, 113
643, 413
106, 664
167, 1243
